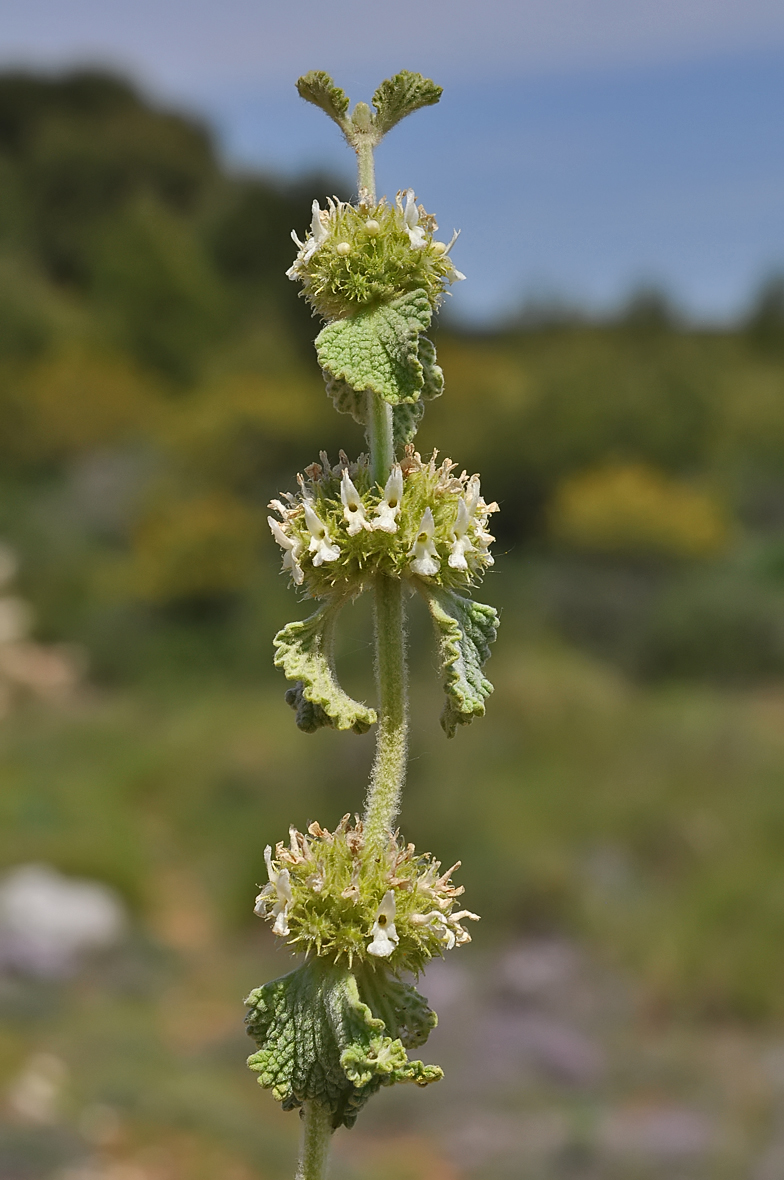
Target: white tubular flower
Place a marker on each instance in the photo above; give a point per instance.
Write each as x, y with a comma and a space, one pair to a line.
321, 544
280, 885
292, 550
473, 494
461, 542
318, 236
438, 923
352, 506
410, 219
388, 510
461, 936
426, 560
478, 512
385, 936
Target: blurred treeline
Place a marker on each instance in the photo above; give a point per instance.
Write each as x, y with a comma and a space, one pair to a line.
158, 385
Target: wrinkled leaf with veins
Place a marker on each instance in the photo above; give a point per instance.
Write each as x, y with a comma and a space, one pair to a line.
379, 349
406, 1014
407, 415
319, 1041
305, 652
432, 373
317, 87
346, 399
465, 631
405, 422
400, 96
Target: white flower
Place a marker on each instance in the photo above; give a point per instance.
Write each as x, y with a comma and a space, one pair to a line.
385, 936
352, 506
461, 542
472, 494
442, 249
446, 927
454, 920
318, 236
292, 550
439, 925
410, 219
388, 510
321, 544
479, 512
426, 560
280, 885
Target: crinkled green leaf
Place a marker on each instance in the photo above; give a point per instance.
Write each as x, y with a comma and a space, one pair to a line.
378, 349
405, 422
407, 415
465, 630
346, 399
317, 87
406, 1014
319, 1041
309, 716
304, 650
432, 373
400, 96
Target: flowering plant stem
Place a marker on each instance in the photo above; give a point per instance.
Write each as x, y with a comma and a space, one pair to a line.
360, 902
389, 768
316, 1134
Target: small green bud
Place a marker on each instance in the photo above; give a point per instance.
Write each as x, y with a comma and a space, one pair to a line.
362, 117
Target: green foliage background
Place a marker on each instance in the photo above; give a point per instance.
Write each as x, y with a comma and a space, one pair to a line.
158, 385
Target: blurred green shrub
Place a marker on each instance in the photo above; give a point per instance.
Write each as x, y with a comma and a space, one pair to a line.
196, 549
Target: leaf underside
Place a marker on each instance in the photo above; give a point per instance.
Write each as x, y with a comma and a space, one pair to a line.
379, 349
465, 631
304, 651
319, 1041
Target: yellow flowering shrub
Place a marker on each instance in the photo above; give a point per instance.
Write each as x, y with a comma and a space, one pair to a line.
634, 508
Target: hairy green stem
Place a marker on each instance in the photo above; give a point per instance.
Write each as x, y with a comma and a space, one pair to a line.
389, 767
367, 171
382, 448
316, 1134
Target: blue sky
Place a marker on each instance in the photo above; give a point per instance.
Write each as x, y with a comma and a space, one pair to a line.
584, 147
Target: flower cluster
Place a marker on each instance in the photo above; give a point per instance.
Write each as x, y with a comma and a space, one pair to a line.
330, 899
358, 256
342, 529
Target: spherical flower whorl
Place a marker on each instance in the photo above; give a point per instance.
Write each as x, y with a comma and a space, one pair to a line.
425, 522
331, 897
356, 257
